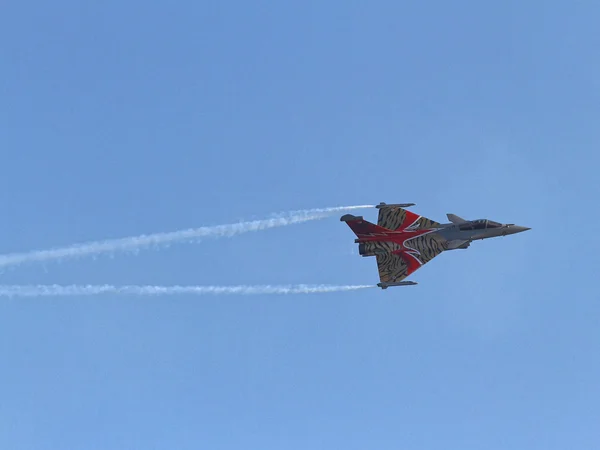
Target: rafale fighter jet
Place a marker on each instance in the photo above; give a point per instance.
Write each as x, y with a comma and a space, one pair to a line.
403, 241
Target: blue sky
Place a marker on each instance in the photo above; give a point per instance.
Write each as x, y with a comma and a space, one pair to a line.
122, 118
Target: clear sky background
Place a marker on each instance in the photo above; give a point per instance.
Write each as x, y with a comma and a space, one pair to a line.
121, 118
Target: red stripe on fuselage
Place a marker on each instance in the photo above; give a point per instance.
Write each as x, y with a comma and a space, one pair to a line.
399, 237
402, 238
409, 219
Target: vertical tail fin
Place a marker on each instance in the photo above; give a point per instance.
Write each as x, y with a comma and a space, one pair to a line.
362, 227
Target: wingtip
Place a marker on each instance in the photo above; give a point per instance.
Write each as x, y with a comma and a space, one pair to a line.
401, 283
400, 205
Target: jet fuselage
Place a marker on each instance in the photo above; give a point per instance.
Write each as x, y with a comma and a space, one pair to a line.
403, 241
477, 229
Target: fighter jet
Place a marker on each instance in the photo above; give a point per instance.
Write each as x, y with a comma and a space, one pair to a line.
402, 241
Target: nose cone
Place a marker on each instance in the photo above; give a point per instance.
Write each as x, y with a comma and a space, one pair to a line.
512, 229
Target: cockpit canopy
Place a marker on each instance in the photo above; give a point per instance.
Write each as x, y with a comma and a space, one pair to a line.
480, 224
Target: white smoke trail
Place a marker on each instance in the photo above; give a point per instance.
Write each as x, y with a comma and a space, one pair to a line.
54, 290
144, 241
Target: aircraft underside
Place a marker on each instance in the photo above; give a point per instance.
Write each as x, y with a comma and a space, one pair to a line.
402, 241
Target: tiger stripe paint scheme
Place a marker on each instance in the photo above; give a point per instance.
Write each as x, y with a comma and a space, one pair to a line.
402, 241
396, 218
412, 253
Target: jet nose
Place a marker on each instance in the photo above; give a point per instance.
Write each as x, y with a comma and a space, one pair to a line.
517, 229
